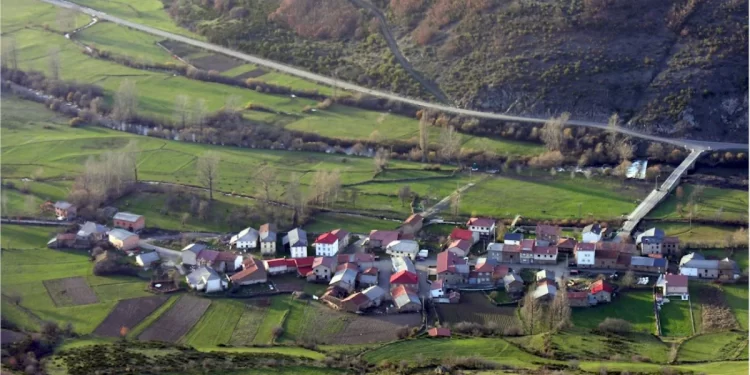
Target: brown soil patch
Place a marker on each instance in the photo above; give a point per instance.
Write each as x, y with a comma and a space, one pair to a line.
716, 314
255, 73
179, 49
128, 313
475, 308
177, 321
71, 291
218, 63
375, 328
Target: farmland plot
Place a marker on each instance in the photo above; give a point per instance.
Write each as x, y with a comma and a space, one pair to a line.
71, 291
247, 326
178, 321
128, 313
475, 308
375, 328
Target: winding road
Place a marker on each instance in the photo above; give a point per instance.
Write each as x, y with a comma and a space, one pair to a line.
687, 143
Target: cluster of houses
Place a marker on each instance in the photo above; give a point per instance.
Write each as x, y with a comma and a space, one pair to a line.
122, 236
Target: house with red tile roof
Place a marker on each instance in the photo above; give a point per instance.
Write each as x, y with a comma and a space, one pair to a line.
276, 266
412, 225
566, 245
406, 299
585, 254
451, 268
544, 254
527, 251
482, 272
482, 226
459, 247
327, 244
355, 302
323, 269
549, 233
404, 278
368, 276
463, 234
578, 299
379, 239
303, 265
253, 272
602, 291
347, 266
673, 285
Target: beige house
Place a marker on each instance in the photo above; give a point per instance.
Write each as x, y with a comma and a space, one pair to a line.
122, 239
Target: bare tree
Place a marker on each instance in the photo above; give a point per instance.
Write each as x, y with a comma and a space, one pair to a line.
375, 136
531, 312
126, 101
54, 62
424, 128
629, 279
656, 151
622, 170
679, 192
208, 171
204, 209
266, 179
625, 151
294, 198
327, 186
199, 113
612, 125
181, 110
10, 52
559, 311
450, 142
404, 193
130, 154
552, 132
381, 159
353, 195
455, 204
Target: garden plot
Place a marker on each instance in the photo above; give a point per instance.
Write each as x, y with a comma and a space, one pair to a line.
475, 308
247, 326
177, 321
218, 63
255, 73
71, 291
375, 328
128, 313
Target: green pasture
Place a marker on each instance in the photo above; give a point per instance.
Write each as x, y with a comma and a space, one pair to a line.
721, 346
634, 306
713, 203
675, 318
120, 40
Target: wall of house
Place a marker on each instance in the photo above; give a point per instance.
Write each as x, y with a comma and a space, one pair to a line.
590, 237
213, 286
322, 249
245, 244
268, 247
650, 248
585, 258
452, 278
299, 251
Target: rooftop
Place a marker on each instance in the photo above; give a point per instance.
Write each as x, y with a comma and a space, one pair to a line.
120, 234
484, 222
127, 216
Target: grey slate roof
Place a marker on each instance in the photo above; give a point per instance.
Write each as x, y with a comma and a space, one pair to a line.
268, 237
120, 234
404, 299
511, 277
403, 263
651, 235
127, 216
296, 238
545, 274
513, 237
345, 275
195, 248
148, 258
544, 290
593, 228
196, 276
63, 205
248, 234
695, 260
90, 228
374, 292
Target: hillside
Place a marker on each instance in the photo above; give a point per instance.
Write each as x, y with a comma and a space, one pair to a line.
672, 67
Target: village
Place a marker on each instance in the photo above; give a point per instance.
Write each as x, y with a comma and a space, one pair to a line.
389, 271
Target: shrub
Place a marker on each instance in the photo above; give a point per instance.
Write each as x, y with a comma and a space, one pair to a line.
613, 325
76, 122
277, 332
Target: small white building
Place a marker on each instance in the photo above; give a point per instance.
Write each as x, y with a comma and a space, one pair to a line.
205, 279
592, 233
145, 260
326, 245
245, 239
585, 254
123, 240
267, 236
190, 253
406, 248
482, 225
296, 239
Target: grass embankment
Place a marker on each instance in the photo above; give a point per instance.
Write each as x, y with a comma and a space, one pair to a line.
633, 306
722, 346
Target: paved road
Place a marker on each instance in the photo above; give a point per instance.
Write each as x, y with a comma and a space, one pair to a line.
695, 144
432, 87
445, 202
656, 196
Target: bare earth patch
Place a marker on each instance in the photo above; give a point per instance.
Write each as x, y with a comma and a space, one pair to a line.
255, 73
177, 321
475, 308
128, 313
71, 291
375, 328
716, 314
218, 63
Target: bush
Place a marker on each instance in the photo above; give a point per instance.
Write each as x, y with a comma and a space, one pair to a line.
277, 332
612, 325
76, 122
513, 331
402, 332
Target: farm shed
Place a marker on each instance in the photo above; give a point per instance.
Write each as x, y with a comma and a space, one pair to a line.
145, 260
129, 221
205, 279
123, 240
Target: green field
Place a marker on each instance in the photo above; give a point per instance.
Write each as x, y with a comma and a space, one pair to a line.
675, 319
635, 307
123, 41
736, 296
722, 346
274, 317
547, 197
216, 325
713, 203
700, 234
354, 224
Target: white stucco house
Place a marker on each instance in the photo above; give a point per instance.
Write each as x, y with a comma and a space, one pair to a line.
296, 239
205, 279
592, 233
245, 239
585, 254
482, 225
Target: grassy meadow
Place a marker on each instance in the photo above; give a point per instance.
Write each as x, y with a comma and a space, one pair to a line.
713, 204
634, 306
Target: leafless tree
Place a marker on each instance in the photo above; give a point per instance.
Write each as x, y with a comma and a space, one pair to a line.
455, 204
126, 101
622, 170
656, 151
130, 155
629, 279
375, 136
184, 219
531, 312
199, 113
679, 192
559, 311
353, 195
696, 194
54, 62
612, 125
266, 178
204, 209
208, 171
294, 198
181, 110
327, 186
450, 143
552, 132
625, 151
381, 159
10, 52
404, 193
500, 231
424, 128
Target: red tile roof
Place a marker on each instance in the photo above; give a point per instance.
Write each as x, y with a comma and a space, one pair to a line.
304, 262
363, 258
577, 295
358, 299
208, 255
461, 244
384, 236
543, 230
485, 266
329, 262
304, 270
404, 277
339, 233
439, 332
527, 244
676, 280
566, 243
226, 256
254, 270
447, 261
462, 234
500, 272
291, 263
398, 291
585, 246
606, 254
481, 222
511, 248
601, 285
343, 258
624, 259
276, 262
326, 238
545, 250
347, 266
